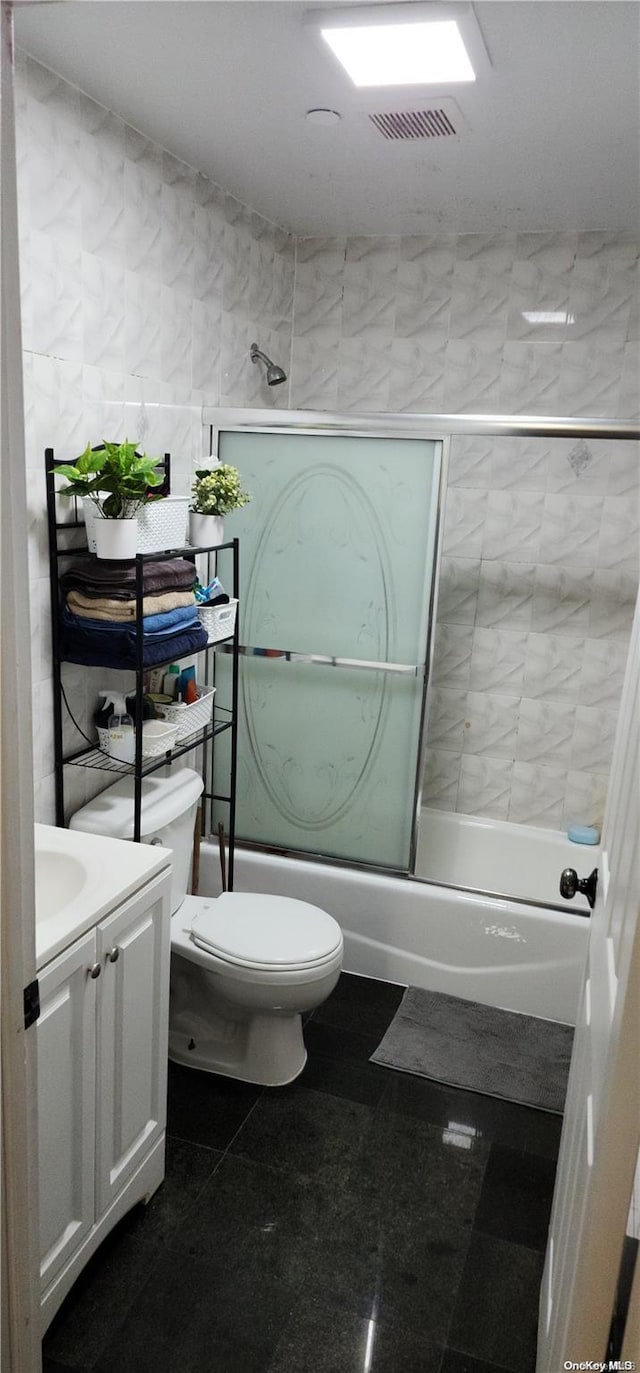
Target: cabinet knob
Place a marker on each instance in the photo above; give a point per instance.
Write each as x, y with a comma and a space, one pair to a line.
95, 970
113, 955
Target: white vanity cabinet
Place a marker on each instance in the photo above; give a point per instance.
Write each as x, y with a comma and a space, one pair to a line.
102, 1077
66, 1105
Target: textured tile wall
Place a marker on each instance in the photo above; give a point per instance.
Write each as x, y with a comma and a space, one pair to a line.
439, 324
538, 582
143, 285
540, 560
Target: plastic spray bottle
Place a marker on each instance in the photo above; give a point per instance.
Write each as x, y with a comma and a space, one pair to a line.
122, 739
101, 717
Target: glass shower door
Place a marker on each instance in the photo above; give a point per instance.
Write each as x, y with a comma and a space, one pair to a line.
337, 559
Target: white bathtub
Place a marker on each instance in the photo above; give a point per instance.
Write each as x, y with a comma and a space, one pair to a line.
496, 856
503, 953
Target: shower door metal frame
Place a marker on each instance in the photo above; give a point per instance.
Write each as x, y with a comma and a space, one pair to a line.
440, 429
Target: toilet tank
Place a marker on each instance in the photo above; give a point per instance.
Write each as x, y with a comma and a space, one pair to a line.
169, 802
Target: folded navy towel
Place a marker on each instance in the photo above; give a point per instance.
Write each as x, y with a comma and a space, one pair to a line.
99, 644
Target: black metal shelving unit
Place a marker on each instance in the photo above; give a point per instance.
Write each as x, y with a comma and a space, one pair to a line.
67, 540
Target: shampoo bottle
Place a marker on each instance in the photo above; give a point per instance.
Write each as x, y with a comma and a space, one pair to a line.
122, 740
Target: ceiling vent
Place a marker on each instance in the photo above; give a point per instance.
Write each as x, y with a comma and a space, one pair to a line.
441, 120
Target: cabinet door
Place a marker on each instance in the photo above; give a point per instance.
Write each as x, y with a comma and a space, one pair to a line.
66, 1104
133, 947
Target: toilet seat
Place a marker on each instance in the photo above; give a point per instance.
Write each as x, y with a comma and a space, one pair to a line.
255, 932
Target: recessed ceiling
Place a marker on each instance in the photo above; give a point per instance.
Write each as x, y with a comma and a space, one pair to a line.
548, 138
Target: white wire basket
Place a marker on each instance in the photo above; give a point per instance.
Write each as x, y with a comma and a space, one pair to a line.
190, 719
219, 620
158, 737
162, 524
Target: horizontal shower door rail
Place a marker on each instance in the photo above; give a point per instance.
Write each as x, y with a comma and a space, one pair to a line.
325, 659
415, 425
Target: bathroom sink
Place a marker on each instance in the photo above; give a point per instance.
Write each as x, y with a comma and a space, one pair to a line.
60, 878
80, 878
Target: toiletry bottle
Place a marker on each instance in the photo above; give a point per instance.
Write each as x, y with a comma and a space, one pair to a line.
188, 675
171, 681
122, 739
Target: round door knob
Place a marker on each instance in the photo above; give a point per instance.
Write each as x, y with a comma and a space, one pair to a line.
95, 970
113, 955
569, 883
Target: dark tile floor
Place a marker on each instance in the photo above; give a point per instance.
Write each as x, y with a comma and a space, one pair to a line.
359, 1221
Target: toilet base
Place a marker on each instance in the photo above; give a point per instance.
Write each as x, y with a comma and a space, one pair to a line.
266, 1050
248, 1027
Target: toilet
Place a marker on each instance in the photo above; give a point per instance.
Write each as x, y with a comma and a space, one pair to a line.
245, 967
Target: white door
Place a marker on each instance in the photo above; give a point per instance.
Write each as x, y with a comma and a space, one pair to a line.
133, 948
66, 1104
601, 1129
20, 1344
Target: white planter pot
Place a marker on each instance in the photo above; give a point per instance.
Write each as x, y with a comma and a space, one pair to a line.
116, 539
91, 514
205, 530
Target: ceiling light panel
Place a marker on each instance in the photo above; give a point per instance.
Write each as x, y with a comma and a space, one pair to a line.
427, 53
400, 46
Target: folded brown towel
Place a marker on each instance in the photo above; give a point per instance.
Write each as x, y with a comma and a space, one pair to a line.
118, 580
109, 608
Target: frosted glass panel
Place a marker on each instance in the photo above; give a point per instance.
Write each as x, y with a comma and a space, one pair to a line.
336, 558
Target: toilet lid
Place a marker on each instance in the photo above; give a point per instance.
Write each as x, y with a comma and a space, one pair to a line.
266, 931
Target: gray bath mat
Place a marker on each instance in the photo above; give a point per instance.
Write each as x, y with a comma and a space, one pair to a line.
480, 1048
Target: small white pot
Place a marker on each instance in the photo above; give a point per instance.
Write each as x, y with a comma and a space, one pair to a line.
90, 514
205, 530
116, 539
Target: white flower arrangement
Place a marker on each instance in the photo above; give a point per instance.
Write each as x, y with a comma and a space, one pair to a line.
217, 491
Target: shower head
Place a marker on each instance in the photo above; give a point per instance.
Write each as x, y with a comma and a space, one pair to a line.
275, 374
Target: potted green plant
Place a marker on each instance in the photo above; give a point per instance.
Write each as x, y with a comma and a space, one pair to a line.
216, 491
116, 479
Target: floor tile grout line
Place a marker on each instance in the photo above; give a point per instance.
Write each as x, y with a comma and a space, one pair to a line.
218, 1164
464, 1353
196, 1197
194, 1143
243, 1123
